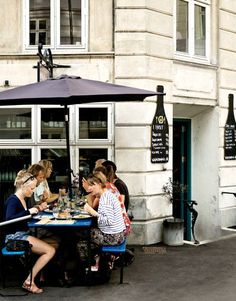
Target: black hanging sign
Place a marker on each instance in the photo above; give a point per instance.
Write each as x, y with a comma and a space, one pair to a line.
160, 132
229, 132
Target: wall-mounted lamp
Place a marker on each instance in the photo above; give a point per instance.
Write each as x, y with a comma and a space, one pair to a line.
6, 83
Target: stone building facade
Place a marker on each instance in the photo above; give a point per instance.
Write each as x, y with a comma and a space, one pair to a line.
141, 43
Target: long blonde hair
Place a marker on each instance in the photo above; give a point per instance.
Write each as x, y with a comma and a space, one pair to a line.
46, 164
22, 177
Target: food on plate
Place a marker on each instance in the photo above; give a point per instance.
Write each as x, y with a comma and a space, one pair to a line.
64, 214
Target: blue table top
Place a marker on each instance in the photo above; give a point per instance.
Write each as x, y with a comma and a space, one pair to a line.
83, 222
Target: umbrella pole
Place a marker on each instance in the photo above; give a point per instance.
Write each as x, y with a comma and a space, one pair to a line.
68, 169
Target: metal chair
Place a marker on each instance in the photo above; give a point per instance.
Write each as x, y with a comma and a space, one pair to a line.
22, 256
117, 249
24, 260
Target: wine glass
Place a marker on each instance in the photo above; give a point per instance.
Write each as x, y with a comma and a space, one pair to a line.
55, 212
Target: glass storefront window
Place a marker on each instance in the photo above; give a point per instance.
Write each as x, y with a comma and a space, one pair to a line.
87, 159
44, 127
15, 123
58, 157
93, 123
52, 123
11, 162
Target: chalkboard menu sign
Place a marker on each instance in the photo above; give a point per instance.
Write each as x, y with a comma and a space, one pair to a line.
229, 132
160, 132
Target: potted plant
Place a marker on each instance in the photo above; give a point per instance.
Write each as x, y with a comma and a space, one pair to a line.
173, 228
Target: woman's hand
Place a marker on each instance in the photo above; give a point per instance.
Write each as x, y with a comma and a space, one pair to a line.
85, 184
46, 195
42, 206
90, 210
33, 210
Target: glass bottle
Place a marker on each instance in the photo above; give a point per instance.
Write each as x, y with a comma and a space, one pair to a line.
60, 199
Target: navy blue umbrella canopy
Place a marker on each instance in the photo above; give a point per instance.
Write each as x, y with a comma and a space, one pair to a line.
69, 90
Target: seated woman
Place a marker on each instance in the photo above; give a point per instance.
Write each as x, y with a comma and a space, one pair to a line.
38, 172
15, 207
120, 185
93, 200
43, 190
110, 221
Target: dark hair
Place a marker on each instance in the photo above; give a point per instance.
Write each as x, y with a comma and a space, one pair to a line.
111, 170
35, 169
108, 162
102, 169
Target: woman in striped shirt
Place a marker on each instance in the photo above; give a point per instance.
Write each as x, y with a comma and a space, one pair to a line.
111, 224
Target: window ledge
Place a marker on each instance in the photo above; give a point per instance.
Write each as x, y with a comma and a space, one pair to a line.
194, 61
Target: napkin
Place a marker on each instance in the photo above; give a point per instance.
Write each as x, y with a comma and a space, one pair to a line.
61, 222
43, 221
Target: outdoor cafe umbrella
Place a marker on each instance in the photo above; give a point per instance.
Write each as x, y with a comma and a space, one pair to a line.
69, 90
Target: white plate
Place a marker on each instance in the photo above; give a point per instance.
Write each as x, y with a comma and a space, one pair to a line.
81, 216
84, 212
38, 216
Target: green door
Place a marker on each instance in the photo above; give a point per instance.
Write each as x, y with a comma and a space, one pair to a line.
182, 171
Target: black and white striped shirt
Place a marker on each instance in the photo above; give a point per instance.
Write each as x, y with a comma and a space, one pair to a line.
110, 218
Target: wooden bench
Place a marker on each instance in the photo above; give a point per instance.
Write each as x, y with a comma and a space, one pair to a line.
117, 250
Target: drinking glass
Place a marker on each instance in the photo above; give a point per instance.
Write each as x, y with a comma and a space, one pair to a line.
55, 212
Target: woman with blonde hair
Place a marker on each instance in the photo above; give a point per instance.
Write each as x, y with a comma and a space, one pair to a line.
43, 190
15, 207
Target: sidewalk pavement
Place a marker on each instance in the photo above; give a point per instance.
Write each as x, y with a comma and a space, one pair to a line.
188, 273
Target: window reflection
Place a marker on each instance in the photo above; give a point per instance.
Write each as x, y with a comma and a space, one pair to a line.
39, 22
52, 123
70, 25
93, 123
15, 123
87, 159
11, 162
58, 157
182, 26
200, 30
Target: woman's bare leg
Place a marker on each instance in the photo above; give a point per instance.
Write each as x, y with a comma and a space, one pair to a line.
46, 253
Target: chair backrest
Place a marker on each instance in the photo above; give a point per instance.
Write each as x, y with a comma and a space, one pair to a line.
5, 252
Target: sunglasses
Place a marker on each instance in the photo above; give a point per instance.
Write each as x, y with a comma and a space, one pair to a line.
31, 178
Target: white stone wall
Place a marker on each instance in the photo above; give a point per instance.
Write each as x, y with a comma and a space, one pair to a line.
227, 77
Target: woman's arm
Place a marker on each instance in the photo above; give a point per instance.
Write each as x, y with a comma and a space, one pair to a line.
92, 201
90, 210
13, 210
